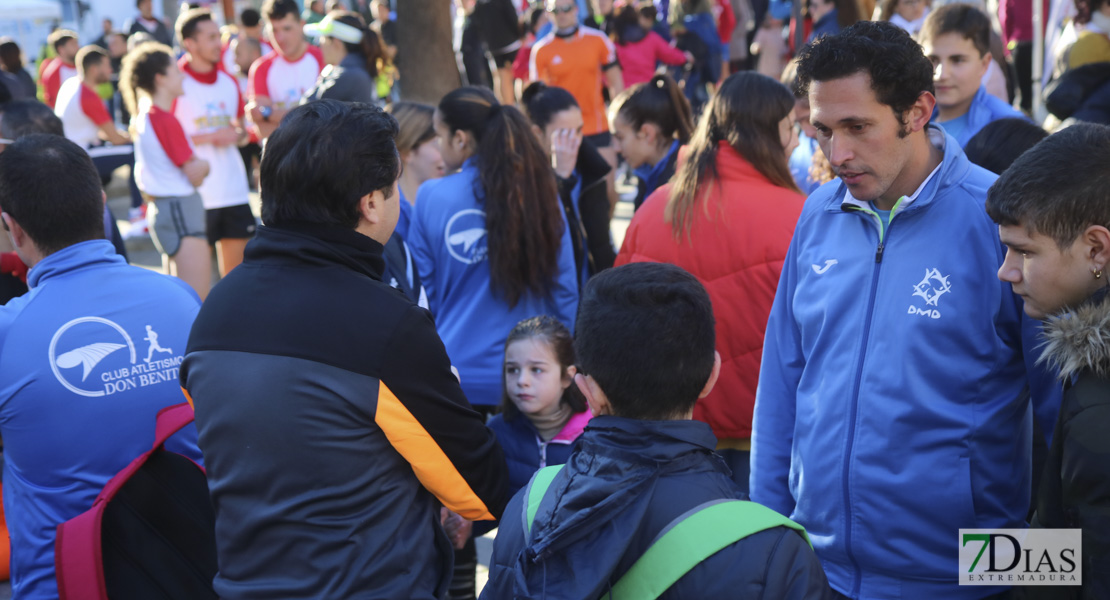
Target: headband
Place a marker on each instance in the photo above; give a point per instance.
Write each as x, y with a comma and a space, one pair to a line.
329, 27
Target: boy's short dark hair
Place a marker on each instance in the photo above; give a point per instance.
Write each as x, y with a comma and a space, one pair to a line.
898, 68
250, 17
19, 118
60, 37
964, 19
89, 57
1001, 142
1058, 188
50, 187
276, 10
645, 333
323, 158
188, 22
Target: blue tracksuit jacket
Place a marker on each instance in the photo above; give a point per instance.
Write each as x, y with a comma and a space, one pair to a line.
890, 408
87, 359
984, 109
448, 240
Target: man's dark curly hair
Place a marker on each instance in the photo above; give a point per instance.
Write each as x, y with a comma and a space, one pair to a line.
899, 70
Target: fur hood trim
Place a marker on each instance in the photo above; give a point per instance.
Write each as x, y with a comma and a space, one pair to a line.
1079, 340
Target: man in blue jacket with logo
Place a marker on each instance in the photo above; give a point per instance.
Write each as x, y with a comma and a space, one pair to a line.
891, 409
87, 357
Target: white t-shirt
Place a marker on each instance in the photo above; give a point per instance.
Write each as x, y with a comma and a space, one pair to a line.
161, 148
81, 111
285, 82
211, 102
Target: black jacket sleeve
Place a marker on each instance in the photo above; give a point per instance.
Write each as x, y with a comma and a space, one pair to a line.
426, 417
1086, 463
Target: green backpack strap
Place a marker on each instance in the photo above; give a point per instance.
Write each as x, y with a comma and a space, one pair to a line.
692, 538
537, 488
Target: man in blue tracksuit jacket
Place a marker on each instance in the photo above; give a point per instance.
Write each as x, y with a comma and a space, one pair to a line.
890, 411
87, 357
448, 240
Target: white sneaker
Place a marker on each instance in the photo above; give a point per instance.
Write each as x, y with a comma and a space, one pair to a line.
139, 227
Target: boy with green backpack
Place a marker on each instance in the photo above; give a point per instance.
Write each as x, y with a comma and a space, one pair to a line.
644, 508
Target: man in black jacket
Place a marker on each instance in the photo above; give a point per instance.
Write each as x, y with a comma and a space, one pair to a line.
146, 22
331, 424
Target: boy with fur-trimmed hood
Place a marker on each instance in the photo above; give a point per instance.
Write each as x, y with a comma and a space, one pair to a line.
1054, 218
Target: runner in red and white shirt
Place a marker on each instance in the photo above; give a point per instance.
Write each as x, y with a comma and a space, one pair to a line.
250, 26
60, 69
166, 167
246, 51
228, 60
278, 81
84, 116
211, 113
86, 120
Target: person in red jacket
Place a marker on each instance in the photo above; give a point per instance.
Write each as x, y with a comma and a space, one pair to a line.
639, 50
727, 218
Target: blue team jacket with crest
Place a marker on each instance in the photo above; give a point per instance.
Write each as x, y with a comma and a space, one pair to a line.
87, 359
890, 411
448, 240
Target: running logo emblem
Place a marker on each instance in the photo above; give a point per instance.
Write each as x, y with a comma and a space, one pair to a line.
466, 236
931, 288
94, 357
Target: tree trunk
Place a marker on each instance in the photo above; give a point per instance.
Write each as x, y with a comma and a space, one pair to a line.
425, 53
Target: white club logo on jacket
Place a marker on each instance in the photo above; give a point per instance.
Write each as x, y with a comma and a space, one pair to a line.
94, 357
931, 288
466, 236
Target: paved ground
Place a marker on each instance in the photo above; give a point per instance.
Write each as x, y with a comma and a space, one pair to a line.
141, 252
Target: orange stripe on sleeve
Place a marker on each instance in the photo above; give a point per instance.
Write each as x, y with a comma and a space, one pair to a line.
188, 398
435, 471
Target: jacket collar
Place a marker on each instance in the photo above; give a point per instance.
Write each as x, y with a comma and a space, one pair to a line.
651, 175
574, 427
317, 245
615, 467
952, 168
570, 432
72, 258
1079, 339
978, 114
353, 61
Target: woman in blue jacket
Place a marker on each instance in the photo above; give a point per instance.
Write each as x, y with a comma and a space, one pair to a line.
490, 242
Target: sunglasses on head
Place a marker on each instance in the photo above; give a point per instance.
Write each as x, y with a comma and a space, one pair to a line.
562, 9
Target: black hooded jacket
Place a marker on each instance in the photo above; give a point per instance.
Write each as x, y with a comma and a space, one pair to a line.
331, 425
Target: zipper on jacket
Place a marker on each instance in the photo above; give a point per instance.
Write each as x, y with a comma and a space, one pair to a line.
857, 576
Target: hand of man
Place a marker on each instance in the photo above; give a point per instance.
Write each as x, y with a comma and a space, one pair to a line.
196, 170
225, 136
458, 529
11, 264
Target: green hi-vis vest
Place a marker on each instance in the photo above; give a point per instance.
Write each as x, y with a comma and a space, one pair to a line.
691, 538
